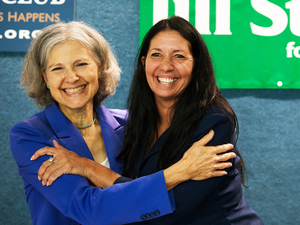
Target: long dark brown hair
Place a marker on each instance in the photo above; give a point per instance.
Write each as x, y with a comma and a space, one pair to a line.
188, 108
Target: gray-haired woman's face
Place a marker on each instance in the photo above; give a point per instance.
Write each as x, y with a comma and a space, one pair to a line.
72, 75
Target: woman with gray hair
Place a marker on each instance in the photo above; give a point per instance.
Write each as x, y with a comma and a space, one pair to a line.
69, 71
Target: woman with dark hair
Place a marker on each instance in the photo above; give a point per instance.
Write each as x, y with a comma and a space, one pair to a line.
181, 103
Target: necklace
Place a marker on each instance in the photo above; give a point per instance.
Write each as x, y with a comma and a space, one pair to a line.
88, 125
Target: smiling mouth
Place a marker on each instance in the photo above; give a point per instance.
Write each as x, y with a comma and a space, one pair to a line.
166, 80
74, 90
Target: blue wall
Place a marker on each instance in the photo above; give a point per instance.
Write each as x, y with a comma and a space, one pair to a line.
269, 122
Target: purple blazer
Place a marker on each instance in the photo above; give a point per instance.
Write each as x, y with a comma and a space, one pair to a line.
70, 199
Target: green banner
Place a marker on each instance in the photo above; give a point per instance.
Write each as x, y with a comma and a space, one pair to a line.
253, 43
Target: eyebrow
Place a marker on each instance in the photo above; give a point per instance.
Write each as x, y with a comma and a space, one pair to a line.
60, 64
54, 65
158, 49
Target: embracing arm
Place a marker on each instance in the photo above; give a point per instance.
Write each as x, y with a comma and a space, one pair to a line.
200, 162
74, 197
211, 164
68, 162
211, 194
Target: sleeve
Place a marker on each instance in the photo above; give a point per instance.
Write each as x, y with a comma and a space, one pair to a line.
75, 198
186, 193
122, 180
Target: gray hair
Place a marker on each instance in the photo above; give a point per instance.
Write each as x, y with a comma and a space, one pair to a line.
36, 60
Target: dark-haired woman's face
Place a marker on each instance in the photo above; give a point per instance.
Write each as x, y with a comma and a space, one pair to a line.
168, 65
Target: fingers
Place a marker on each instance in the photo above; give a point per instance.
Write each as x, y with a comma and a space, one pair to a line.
51, 175
219, 169
41, 152
222, 166
45, 151
56, 145
42, 175
218, 173
223, 148
48, 172
226, 156
207, 138
62, 164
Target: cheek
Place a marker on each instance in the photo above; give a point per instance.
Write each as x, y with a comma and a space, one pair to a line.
148, 72
151, 66
54, 81
186, 71
95, 85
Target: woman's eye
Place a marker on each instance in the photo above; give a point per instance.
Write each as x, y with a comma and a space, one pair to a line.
56, 68
81, 64
179, 56
156, 54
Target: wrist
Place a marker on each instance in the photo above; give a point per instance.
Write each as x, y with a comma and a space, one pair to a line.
100, 175
89, 168
175, 175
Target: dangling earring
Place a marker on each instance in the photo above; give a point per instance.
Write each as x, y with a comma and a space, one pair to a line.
48, 86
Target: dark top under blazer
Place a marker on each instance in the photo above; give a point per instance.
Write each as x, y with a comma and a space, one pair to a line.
70, 199
217, 201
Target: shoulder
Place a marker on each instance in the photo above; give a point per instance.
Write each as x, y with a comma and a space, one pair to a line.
25, 136
112, 116
30, 124
120, 115
215, 114
31, 130
217, 119
216, 110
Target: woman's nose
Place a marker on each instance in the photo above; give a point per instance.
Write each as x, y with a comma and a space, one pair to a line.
71, 76
166, 64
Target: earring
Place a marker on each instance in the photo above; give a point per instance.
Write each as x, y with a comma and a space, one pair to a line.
48, 86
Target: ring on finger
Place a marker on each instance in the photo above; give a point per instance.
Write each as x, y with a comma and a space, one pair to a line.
51, 160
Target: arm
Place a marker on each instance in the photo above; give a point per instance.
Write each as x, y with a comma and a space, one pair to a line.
73, 196
191, 166
200, 162
68, 162
210, 194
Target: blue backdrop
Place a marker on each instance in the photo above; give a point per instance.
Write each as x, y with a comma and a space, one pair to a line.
269, 122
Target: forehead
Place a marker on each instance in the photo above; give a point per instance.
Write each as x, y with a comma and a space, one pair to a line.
69, 49
169, 38
68, 46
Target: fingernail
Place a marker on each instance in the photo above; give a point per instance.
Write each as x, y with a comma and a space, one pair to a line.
39, 178
43, 183
32, 157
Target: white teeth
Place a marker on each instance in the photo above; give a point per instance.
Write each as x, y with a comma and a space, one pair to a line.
166, 80
74, 90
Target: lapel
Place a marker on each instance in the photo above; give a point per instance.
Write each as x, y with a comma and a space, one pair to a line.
67, 134
70, 137
157, 145
149, 162
113, 134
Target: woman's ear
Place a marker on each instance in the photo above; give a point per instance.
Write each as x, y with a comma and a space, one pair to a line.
143, 60
45, 77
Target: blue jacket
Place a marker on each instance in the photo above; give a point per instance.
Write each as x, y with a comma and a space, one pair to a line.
70, 199
217, 201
